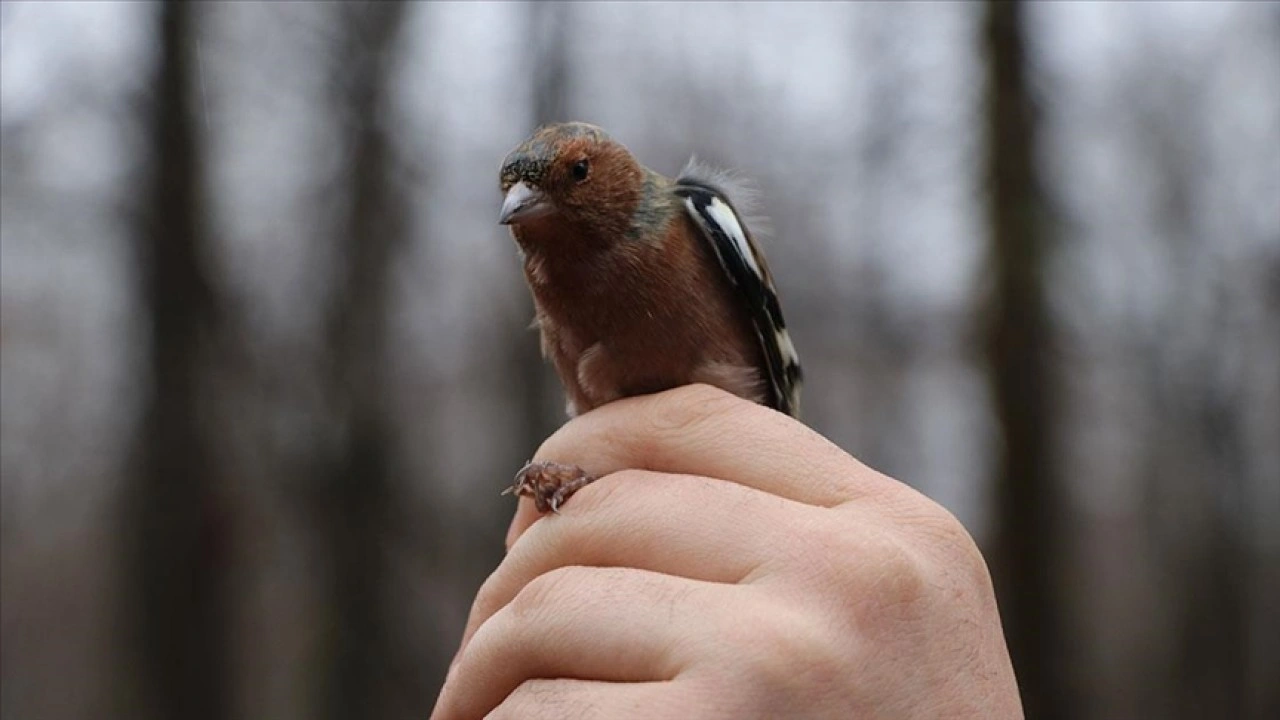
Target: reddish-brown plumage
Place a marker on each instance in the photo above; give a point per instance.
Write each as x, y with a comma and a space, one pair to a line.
637, 317
624, 311
630, 295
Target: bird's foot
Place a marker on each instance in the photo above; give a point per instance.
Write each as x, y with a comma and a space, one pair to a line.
549, 484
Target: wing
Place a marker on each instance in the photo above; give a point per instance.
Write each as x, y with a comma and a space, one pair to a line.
745, 267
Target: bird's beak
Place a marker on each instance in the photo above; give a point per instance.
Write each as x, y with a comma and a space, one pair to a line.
523, 203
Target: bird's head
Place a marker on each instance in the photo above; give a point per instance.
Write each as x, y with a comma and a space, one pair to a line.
571, 173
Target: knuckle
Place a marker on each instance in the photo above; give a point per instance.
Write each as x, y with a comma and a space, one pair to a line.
954, 536
940, 533
846, 558
869, 571
686, 408
954, 548
930, 543
547, 592
787, 657
898, 583
490, 597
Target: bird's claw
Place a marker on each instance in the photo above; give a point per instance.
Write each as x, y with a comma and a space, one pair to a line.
549, 484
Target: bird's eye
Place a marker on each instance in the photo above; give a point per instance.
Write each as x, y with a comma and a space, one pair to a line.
580, 170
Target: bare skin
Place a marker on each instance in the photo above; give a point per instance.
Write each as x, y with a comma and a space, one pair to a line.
729, 563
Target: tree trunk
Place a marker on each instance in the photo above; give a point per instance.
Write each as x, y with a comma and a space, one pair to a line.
356, 490
1027, 507
175, 522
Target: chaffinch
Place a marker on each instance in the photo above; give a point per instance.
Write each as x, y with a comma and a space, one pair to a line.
640, 283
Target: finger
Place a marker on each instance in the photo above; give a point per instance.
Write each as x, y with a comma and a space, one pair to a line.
700, 430
561, 698
525, 516
649, 521
610, 624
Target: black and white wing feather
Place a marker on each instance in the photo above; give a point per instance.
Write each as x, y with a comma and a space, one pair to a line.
744, 264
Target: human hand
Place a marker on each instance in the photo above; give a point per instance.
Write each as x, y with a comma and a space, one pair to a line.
730, 563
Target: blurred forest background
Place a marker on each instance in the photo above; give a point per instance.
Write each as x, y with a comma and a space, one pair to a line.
265, 365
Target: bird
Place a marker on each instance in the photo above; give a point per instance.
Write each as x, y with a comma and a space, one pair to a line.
640, 283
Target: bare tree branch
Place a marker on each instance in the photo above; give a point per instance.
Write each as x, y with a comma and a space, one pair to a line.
176, 523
